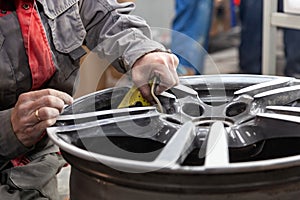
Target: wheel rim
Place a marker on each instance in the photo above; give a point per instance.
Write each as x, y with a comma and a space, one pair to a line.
228, 125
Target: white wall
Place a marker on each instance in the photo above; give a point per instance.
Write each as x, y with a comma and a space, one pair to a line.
158, 13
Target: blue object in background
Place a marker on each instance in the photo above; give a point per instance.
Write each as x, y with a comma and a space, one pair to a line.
191, 27
232, 14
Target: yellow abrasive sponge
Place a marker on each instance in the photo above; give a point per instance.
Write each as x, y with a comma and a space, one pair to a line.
133, 98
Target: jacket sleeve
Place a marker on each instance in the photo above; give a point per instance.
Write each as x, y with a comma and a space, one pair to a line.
10, 146
115, 34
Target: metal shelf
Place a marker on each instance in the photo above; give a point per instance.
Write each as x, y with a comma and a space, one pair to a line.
285, 20
271, 20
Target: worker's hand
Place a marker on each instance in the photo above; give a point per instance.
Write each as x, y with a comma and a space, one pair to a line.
35, 111
156, 64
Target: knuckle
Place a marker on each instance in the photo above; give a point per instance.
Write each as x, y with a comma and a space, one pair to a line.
50, 122
23, 97
50, 91
157, 60
175, 58
46, 115
51, 113
22, 108
23, 120
48, 100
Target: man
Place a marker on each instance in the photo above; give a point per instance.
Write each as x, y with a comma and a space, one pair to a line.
250, 49
40, 43
191, 26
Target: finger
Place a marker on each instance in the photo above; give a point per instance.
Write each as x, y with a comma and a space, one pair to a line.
44, 113
43, 125
168, 72
172, 64
146, 93
167, 80
161, 88
49, 101
66, 98
63, 96
175, 62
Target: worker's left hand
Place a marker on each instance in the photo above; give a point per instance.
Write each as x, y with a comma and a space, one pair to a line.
35, 111
156, 64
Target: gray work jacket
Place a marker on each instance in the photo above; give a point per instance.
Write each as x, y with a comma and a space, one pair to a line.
102, 25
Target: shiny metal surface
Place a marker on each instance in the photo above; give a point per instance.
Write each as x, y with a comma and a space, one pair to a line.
201, 102
218, 133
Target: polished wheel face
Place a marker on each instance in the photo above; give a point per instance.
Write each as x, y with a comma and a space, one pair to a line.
210, 124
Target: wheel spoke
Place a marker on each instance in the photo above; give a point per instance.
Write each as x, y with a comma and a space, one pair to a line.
103, 122
278, 125
284, 110
265, 86
217, 154
279, 96
178, 145
106, 113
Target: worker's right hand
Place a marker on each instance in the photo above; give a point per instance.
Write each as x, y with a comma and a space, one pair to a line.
155, 64
35, 111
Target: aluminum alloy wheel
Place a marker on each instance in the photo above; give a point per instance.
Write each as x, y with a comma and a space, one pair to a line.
230, 126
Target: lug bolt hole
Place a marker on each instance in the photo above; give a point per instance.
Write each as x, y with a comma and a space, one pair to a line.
236, 109
192, 109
